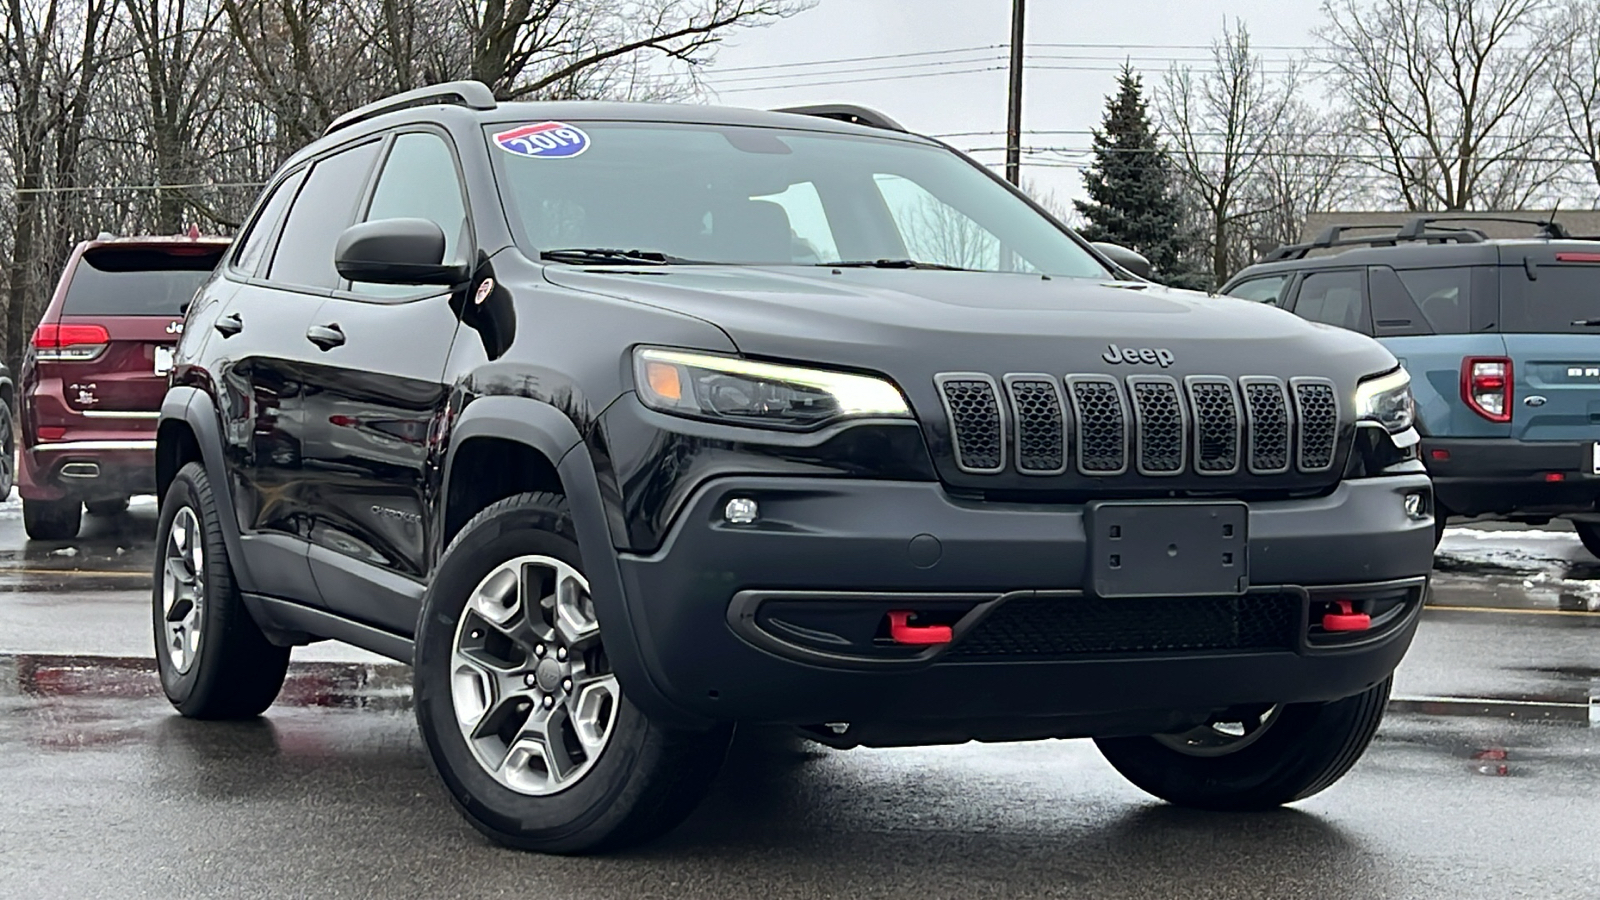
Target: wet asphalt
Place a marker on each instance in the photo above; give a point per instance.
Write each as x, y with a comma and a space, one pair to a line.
1483, 782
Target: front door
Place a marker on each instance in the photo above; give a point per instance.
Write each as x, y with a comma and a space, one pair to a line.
374, 393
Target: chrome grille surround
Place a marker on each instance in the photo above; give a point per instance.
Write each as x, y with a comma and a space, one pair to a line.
1316, 407
1218, 423
977, 421
1101, 413
1039, 417
1269, 424
1160, 425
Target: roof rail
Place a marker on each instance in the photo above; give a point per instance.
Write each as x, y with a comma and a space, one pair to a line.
1548, 228
846, 112
471, 94
1334, 237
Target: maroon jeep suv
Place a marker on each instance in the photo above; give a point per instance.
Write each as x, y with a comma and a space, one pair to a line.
95, 373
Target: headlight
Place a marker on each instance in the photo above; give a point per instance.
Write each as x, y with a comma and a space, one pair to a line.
1387, 400
742, 392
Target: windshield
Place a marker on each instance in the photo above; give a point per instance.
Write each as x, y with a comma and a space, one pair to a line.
743, 195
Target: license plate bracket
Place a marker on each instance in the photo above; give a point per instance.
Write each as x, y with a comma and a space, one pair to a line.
1161, 549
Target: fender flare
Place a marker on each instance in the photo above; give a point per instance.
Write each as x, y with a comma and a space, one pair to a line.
552, 433
193, 407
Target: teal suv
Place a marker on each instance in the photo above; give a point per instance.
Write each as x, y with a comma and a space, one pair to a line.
1502, 340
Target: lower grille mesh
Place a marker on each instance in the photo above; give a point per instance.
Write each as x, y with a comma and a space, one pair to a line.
1054, 627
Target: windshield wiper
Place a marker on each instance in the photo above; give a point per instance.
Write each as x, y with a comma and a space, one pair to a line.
893, 264
1587, 323
601, 256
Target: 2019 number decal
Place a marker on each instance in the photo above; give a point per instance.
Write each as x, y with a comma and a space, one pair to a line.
546, 140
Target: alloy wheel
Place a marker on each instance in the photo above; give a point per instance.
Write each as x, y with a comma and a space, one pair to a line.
183, 589
533, 694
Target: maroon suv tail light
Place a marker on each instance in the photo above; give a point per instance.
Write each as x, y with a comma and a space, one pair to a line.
69, 343
1486, 386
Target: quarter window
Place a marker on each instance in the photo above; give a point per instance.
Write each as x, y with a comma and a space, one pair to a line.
251, 247
1444, 295
324, 208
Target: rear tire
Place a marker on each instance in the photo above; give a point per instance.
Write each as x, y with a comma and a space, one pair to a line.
111, 507
522, 715
52, 520
1589, 533
213, 659
1298, 750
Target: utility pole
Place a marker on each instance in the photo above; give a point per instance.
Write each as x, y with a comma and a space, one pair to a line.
1014, 101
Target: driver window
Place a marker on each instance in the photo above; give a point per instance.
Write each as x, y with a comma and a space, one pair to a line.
935, 232
419, 181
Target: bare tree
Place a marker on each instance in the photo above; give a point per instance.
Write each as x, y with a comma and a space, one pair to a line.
1224, 122
1447, 95
1306, 168
1574, 80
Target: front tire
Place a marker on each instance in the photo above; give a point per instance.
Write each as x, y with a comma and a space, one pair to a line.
1275, 755
213, 659
52, 520
523, 717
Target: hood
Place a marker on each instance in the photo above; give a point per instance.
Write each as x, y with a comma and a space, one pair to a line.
913, 323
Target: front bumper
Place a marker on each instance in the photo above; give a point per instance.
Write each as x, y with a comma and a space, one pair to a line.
858, 546
1499, 476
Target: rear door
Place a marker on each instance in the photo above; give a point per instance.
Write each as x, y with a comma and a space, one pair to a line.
1550, 321
128, 300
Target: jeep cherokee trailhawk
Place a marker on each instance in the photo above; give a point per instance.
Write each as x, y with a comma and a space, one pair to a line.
626, 423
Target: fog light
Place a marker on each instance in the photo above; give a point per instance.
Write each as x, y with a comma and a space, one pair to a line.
1417, 506
741, 511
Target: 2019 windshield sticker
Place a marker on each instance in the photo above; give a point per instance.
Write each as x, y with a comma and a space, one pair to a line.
545, 140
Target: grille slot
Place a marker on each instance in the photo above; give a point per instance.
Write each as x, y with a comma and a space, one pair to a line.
1214, 405
1040, 417
1102, 419
1159, 425
1317, 407
977, 426
1044, 627
1267, 411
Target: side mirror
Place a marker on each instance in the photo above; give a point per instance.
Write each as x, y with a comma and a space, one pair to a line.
397, 251
1128, 259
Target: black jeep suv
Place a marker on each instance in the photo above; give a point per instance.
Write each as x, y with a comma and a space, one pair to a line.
626, 423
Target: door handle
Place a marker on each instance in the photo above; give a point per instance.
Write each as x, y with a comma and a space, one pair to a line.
229, 325
325, 336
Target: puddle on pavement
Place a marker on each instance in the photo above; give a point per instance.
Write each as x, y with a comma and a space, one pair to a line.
49, 678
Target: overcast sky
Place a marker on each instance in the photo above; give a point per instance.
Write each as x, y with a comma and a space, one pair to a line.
956, 84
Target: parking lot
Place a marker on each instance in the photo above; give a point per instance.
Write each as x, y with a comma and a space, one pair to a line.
1480, 784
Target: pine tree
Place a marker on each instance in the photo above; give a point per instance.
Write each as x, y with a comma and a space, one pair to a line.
1132, 200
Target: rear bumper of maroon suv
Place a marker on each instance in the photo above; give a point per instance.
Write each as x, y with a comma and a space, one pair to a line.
89, 463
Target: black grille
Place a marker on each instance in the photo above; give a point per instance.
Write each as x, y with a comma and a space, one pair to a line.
1102, 426
1041, 425
1052, 627
1318, 411
1158, 426
1268, 411
975, 426
1215, 408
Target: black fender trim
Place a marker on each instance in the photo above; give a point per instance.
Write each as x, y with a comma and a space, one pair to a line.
192, 406
549, 431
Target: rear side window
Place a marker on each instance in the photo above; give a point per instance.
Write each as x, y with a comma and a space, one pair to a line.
1443, 295
324, 208
1563, 299
1261, 290
1334, 298
252, 245
117, 281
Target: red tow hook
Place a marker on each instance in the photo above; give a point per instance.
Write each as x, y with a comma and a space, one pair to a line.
903, 632
1346, 619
